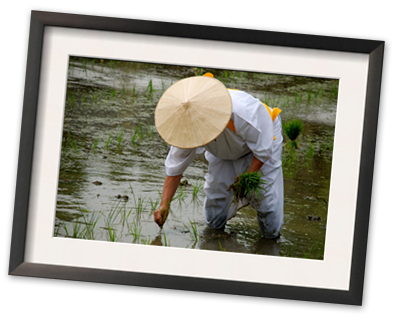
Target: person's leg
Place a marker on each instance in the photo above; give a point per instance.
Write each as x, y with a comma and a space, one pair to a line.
218, 204
269, 208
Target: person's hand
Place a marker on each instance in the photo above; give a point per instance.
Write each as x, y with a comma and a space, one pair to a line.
160, 215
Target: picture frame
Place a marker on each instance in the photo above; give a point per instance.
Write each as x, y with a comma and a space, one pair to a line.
19, 265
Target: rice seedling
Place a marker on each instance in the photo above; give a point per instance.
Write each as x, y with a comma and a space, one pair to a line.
314, 252
310, 151
166, 241
289, 157
197, 188
113, 93
150, 133
95, 97
95, 144
150, 87
225, 76
153, 205
112, 234
140, 207
135, 229
72, 102
289, 251
109, 139
247, 184
77, 228
85, 62
180, 195
221, 247
93, 64
198, 71
146, 242
133, 193
125, 215
112, 216
56, 230
334, 92
138, 133
193, 231
293, 129
90, 225
134, 91
119, 138
64, 226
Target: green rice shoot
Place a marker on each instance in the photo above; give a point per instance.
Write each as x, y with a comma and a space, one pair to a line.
293, 129
247, 184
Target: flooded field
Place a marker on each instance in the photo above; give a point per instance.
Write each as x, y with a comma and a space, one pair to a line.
112, 162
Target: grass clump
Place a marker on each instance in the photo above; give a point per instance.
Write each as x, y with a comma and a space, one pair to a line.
293, 129
248, 183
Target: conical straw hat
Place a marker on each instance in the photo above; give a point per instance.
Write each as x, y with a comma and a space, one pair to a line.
193, 112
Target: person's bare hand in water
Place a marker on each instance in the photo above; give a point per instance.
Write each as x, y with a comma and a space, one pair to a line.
160, 215
170, 186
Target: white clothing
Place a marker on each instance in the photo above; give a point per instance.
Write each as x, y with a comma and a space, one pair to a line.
230, 154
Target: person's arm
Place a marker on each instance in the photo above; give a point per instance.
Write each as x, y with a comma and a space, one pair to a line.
170, 186
176, 162
255, 165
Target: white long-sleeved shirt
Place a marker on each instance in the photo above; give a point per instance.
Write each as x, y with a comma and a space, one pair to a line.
254, 132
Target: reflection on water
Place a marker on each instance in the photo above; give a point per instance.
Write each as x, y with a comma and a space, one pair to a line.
112, 161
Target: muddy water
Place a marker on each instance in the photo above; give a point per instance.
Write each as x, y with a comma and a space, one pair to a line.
112, 161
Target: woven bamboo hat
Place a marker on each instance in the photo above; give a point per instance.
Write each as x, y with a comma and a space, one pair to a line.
193, 112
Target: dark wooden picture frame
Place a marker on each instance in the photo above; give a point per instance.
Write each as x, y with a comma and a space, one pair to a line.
39, 20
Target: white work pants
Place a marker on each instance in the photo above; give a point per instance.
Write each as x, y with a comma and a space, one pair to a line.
219, 206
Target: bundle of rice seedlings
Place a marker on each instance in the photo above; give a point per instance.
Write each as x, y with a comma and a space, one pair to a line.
293, 129
247, 184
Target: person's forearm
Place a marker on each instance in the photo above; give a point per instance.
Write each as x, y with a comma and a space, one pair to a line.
255, 165
170, 186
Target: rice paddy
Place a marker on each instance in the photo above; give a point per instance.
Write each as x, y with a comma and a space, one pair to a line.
112, 161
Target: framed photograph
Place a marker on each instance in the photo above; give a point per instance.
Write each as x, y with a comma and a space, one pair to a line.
92, 161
